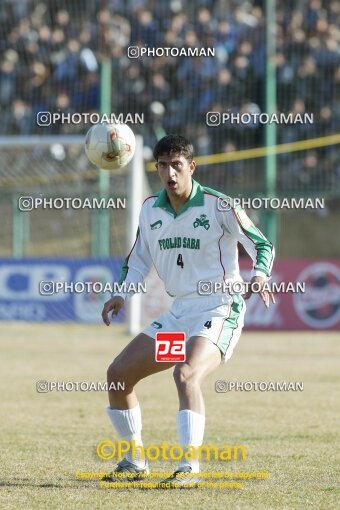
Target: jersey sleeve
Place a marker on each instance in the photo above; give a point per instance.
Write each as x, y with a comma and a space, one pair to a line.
136, 266
262, 251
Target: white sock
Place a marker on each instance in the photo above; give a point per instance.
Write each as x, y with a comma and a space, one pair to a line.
128, 424
190, 432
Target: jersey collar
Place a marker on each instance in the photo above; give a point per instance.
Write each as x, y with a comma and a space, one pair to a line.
196, 198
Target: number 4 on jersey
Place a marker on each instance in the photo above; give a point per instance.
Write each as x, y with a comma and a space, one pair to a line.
180, 261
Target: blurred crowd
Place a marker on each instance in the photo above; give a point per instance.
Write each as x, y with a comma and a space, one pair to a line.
50, 56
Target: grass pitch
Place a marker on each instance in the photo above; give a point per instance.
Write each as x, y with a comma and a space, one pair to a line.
47, 437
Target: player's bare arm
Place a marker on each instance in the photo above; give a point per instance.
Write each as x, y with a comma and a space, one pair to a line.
265, 294
112, 305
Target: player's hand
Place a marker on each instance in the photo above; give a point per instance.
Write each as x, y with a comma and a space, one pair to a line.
112, 305
265, 294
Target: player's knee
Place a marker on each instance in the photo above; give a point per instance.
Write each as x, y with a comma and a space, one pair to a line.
185, 375
119, 373
115, 372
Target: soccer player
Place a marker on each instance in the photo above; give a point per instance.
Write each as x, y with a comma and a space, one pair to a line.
190, 235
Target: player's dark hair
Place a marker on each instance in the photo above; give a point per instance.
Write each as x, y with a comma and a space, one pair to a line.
171, 144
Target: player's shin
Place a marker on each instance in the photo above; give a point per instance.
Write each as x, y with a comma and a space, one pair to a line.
190, 433
128, 424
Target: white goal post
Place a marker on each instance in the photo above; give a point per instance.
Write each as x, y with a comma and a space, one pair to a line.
136, 196
137, 189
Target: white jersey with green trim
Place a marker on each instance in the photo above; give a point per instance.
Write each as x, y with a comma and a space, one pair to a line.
198, 243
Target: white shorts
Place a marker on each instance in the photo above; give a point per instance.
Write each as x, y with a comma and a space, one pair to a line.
201, 316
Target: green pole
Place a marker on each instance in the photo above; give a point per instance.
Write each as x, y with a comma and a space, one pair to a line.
100, 224
19, 229
270, 129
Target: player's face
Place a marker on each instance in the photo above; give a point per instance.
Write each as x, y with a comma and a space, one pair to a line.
175, 172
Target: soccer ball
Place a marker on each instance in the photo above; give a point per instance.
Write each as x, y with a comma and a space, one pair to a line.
110, 146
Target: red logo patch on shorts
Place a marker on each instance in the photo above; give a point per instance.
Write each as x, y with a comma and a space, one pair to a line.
170, 347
